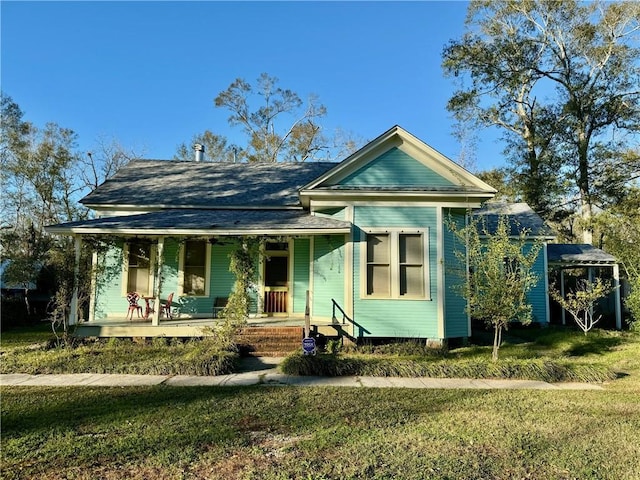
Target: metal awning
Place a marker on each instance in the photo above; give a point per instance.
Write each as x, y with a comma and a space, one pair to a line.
578, 255
207, 222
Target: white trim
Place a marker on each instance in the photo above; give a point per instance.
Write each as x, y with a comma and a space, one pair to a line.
312, 246
94, 286
616, 286
124, 283
394, 262
382, 203
290, 276
207, 270
348, 265
440, 273
467, 273
156, 266
73, 313
439, 196
396, 136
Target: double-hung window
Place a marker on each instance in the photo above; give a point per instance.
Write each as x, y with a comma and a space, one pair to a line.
194, 268
139, 277
396, 264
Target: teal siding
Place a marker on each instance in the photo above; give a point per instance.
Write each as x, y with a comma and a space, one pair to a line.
396, 317
109, 298
300, 281
455, 315
222, 279
328, 273
171, 260
337, 213
537, 297
111, 302
395, 169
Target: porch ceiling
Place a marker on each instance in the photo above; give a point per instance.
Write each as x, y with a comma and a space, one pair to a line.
208, 222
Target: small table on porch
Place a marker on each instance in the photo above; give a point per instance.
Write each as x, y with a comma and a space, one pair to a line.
149, 304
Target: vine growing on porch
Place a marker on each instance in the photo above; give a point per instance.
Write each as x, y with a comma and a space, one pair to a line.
243, 265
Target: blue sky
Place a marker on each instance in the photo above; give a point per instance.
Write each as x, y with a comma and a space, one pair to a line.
146, 73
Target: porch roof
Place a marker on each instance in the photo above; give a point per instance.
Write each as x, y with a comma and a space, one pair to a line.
575, 255
208, 222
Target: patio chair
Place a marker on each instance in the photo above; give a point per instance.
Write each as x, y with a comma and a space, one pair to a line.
132, 299
165, 308
218, 305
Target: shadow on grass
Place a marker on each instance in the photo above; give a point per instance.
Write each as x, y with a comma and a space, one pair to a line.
555, 341
592, 344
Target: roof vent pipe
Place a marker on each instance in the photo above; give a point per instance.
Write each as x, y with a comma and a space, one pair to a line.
199, 148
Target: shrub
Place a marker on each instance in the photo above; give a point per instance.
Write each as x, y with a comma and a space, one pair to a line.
528, 369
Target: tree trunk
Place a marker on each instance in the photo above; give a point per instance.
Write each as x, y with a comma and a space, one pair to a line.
497, 340
26, 301
584, 187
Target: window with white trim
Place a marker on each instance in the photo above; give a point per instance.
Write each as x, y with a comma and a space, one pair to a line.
138, 271
395, 264
195, 259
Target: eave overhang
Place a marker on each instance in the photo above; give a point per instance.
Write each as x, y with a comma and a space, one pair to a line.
218, 222
471, 198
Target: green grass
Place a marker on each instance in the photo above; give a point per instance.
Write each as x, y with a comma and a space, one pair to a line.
551, 354
320, 433
273, 433
35, 351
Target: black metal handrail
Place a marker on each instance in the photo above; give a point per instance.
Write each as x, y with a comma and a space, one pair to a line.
344, 315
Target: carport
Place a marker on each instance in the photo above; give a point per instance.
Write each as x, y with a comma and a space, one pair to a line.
563, 256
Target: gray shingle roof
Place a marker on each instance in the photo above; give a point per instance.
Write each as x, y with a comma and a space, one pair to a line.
209, 221
575, 254
163, 183
520, 216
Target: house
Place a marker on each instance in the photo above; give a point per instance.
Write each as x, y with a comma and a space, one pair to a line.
361, 245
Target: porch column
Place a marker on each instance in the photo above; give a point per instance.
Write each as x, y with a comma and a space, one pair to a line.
591, 277
94, 285
73, 314
616, 286
564, 316
155, 320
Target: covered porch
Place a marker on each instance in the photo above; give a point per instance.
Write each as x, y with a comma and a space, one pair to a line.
199, 285
199, 327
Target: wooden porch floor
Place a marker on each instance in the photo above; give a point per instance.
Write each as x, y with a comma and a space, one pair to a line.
191, 327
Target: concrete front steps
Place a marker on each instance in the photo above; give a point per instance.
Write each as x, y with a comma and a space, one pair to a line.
269, 341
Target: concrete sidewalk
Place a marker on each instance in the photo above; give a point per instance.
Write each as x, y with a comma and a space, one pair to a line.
272, 377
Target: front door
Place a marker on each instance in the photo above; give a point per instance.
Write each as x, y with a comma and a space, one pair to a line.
276, 279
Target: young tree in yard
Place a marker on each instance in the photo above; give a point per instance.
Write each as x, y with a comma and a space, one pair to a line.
561, 79
580, 302
500, 274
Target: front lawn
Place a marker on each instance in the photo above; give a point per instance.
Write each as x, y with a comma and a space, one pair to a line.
282, 433
551, 354
267, 432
